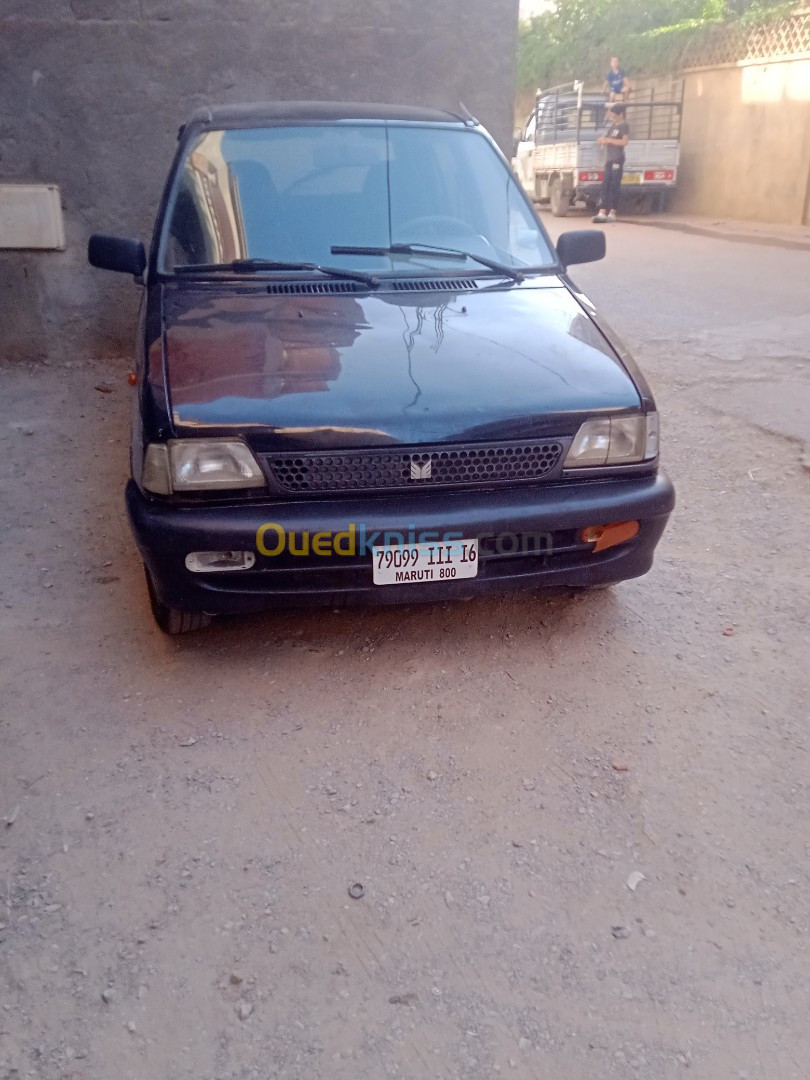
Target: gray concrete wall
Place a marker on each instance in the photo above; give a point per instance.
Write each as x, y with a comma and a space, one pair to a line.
92, 93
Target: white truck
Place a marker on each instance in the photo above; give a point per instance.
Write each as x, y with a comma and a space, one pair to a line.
559, 162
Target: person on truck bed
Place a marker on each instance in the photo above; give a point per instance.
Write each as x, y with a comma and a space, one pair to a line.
615, 140
616, 85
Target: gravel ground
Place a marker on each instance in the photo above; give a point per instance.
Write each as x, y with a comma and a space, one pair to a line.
184, 817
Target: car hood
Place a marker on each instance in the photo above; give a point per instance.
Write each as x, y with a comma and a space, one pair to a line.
340, 369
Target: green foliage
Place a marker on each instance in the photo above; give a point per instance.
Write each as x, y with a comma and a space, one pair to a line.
577, 38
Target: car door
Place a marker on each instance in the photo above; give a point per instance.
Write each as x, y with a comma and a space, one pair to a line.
524, 155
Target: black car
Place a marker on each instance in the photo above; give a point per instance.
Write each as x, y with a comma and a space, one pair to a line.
363, 374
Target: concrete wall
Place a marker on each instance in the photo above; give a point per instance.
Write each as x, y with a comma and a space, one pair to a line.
745, 150
92, 93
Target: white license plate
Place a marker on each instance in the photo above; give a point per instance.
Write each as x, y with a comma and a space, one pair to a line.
631, 178
414, 564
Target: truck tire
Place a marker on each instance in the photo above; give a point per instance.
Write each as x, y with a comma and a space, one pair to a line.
648, 204
559, 199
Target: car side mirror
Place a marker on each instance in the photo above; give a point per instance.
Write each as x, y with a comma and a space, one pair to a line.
582, 246
119, 253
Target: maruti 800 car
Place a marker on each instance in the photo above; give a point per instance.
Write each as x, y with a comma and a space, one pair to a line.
364, 375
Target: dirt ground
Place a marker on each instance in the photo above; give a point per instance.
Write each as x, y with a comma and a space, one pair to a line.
181, 819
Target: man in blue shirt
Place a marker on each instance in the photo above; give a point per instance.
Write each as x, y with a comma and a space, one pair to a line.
616, 85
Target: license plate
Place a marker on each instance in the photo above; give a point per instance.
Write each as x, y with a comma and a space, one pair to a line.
631, 178
413, 564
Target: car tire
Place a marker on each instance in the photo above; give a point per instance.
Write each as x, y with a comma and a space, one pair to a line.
558, 200
171, 620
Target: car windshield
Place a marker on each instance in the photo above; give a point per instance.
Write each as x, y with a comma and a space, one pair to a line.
292, 194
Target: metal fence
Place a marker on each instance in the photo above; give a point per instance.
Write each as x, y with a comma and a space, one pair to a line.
566, 115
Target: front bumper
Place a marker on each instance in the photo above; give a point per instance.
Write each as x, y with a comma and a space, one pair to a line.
166, 533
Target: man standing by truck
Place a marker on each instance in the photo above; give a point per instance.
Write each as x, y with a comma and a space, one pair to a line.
617, 137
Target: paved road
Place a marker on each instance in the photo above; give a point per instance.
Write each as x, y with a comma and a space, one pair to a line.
190, 813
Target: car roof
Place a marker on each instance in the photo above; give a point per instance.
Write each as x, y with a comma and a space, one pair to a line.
258, 114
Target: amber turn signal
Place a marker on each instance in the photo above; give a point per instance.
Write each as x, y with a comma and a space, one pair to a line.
132, 379
608, 536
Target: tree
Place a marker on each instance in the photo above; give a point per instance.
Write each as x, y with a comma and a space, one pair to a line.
575, 39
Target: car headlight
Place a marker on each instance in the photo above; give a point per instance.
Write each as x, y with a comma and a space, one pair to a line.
200, 465
614, 440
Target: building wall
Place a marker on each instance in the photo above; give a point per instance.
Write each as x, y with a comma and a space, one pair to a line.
745, 142
93, 91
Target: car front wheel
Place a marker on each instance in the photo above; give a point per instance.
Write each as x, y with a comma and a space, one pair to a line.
170, 620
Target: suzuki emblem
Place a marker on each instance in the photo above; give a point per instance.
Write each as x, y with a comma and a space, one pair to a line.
421, 472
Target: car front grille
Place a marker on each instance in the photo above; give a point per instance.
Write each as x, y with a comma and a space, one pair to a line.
416, 468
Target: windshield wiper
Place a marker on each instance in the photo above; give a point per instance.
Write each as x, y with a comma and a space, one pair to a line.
253, 266
430, 249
